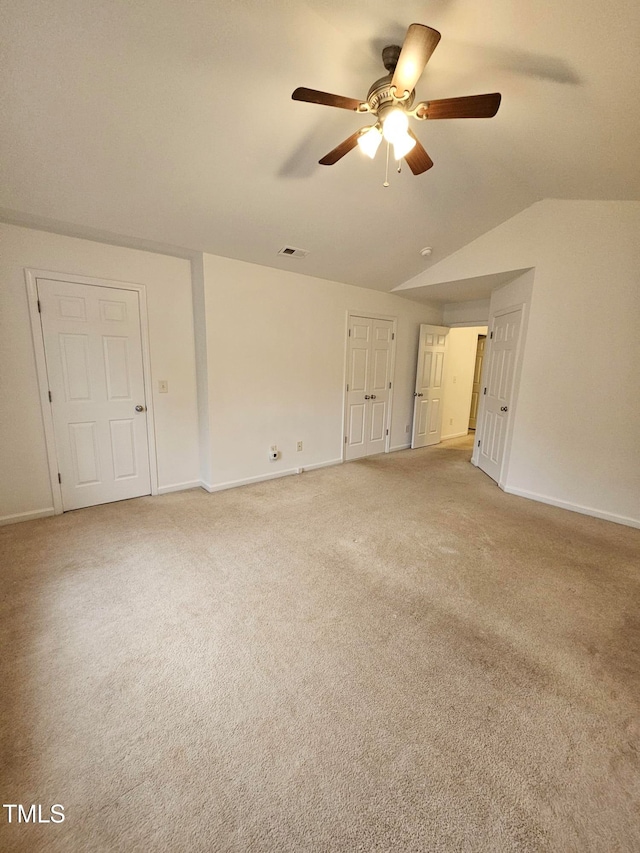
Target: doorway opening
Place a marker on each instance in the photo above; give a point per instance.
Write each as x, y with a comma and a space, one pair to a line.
476, 388
447, 367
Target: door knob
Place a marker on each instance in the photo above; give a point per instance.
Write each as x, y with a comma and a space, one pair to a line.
141, 408
420, 395
504, 408
373, 396
367, 397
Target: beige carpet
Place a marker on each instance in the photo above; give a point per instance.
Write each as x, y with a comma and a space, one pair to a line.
390, 655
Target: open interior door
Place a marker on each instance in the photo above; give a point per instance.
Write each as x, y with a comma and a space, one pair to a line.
427, 406
497, 392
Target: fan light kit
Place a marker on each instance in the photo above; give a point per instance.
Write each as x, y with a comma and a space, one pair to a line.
390, 99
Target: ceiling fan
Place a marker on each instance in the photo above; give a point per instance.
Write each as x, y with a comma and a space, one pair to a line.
390, 99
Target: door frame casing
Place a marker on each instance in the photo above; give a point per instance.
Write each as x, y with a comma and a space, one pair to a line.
31, 277
515, 387
369, 315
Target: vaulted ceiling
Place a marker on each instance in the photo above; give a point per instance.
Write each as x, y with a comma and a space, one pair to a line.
169, 123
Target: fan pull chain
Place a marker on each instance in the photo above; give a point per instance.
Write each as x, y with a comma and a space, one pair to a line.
386, 175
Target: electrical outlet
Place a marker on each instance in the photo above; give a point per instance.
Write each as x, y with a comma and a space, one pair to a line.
299, 446
163, 386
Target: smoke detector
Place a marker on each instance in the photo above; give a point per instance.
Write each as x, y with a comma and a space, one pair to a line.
292, 252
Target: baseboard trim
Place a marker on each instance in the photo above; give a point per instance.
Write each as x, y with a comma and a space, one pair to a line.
179, 487
399, 447
232, 484
321, 465
454, 435
583, 510
261, 478
27, 516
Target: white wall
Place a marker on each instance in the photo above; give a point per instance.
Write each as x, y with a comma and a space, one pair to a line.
274, 358
473, 313
577, 428
24, 482
276, 366
459, 368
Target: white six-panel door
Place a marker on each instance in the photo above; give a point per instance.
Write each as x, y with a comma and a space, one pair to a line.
428, 394
369, 359
499, 388
93, 353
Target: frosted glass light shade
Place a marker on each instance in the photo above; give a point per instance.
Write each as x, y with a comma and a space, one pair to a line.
395, 125
402, 145
369, 141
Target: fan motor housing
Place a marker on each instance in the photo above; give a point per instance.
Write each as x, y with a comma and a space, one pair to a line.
379, 96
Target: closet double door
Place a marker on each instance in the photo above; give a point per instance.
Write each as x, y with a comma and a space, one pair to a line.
369, 363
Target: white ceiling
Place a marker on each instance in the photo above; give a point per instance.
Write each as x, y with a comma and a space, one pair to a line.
170, 123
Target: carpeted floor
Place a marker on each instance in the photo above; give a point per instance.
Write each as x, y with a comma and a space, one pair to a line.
389, 655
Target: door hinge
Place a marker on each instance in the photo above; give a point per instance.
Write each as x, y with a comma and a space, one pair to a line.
387, 432
393, 336
485, 391
349, 332
347, 386
59, 477
389, 386
39, 307
478, 443
50, 397
345, 439
491, 336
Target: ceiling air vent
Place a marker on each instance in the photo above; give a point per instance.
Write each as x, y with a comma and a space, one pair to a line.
292, 252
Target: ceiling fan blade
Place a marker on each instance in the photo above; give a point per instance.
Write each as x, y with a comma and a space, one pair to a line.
471, 106
417, 159
419, 44
312, 96
340, 150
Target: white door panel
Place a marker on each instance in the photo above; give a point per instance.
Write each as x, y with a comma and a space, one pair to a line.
359, 368
93, 352
356, 425
381, 364
378, 421
116, 364
84, 451
497, 393
435, 415
123, 448
370, 346
422, 416
427, 411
